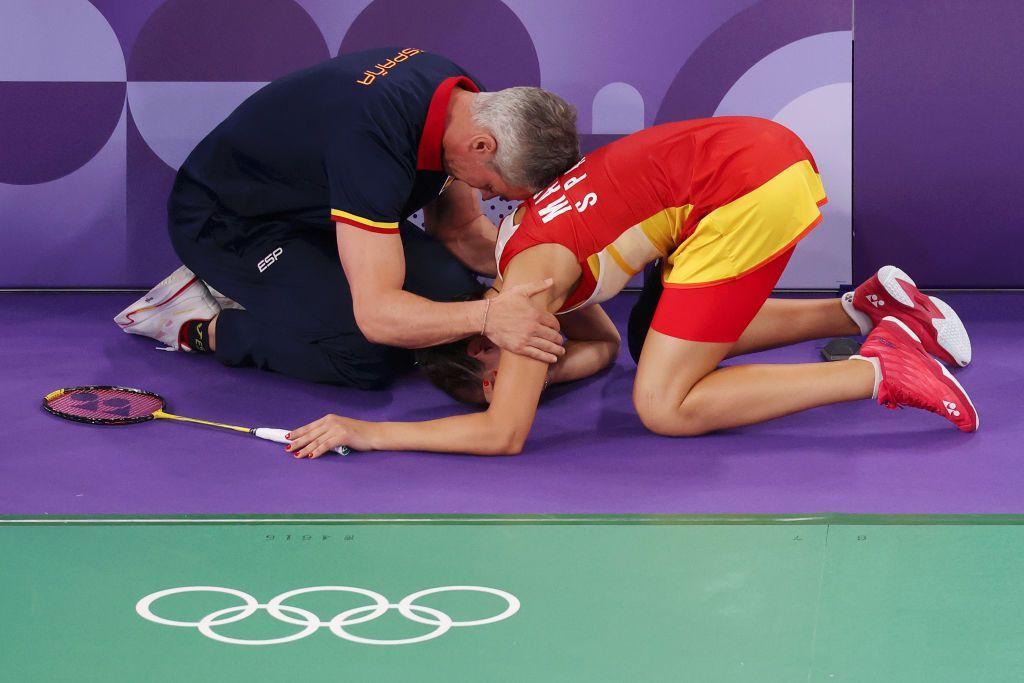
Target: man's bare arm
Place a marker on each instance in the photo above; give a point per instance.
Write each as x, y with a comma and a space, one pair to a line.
386, 314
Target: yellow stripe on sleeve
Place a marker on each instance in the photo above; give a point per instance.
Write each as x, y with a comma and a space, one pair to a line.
338, 213
621, 262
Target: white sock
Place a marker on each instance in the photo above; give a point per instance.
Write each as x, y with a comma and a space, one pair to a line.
860, 319
878, 373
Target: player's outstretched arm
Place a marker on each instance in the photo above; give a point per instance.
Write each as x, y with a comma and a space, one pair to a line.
502, 429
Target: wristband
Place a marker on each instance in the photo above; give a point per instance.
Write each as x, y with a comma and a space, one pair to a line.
487, 309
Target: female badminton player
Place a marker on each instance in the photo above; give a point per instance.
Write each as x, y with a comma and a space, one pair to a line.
723, 202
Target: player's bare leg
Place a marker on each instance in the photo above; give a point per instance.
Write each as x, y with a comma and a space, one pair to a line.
679, 392
788, 321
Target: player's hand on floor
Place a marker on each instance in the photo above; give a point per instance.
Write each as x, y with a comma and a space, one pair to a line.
330, 431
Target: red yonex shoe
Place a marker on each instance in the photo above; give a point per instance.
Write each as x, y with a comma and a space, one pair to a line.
910, 377
891, 292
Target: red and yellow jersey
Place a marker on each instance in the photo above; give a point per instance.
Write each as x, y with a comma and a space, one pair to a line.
715, 197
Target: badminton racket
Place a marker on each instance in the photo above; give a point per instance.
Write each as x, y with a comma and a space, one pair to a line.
106, 405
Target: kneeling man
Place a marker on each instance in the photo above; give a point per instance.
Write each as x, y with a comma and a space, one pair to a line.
327, 164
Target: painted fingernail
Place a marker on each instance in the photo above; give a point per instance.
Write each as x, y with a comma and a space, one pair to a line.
288, 436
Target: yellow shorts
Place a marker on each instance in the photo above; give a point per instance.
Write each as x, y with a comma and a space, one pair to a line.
740, 236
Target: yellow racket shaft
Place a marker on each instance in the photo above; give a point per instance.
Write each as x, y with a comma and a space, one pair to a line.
277, 435
161, 415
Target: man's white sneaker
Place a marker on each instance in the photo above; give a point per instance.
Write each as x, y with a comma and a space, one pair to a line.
179, 298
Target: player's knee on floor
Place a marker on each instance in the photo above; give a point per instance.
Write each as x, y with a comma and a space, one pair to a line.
669, 415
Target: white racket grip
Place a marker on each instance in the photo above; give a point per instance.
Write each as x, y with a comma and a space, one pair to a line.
279, 435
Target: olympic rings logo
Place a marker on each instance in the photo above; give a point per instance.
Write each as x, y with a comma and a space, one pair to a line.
310, 622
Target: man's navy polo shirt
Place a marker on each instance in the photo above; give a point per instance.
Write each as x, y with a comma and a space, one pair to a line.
356, 140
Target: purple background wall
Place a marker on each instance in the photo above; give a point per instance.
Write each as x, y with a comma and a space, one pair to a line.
939, 140
100, 102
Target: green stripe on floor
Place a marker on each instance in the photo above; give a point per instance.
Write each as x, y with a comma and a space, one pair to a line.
614, 599
817, 518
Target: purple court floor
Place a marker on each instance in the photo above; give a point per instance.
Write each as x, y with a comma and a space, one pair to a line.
588, 453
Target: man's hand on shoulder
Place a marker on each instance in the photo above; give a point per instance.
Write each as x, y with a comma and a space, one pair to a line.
518, 325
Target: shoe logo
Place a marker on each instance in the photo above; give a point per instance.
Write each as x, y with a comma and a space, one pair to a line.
951, 408
875, 301
270, 259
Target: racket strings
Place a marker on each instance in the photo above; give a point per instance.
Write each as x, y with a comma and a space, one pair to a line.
102, 404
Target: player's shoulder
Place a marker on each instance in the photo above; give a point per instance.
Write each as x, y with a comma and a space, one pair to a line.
515, 235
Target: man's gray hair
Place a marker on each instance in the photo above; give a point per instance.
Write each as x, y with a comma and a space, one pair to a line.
535, 131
